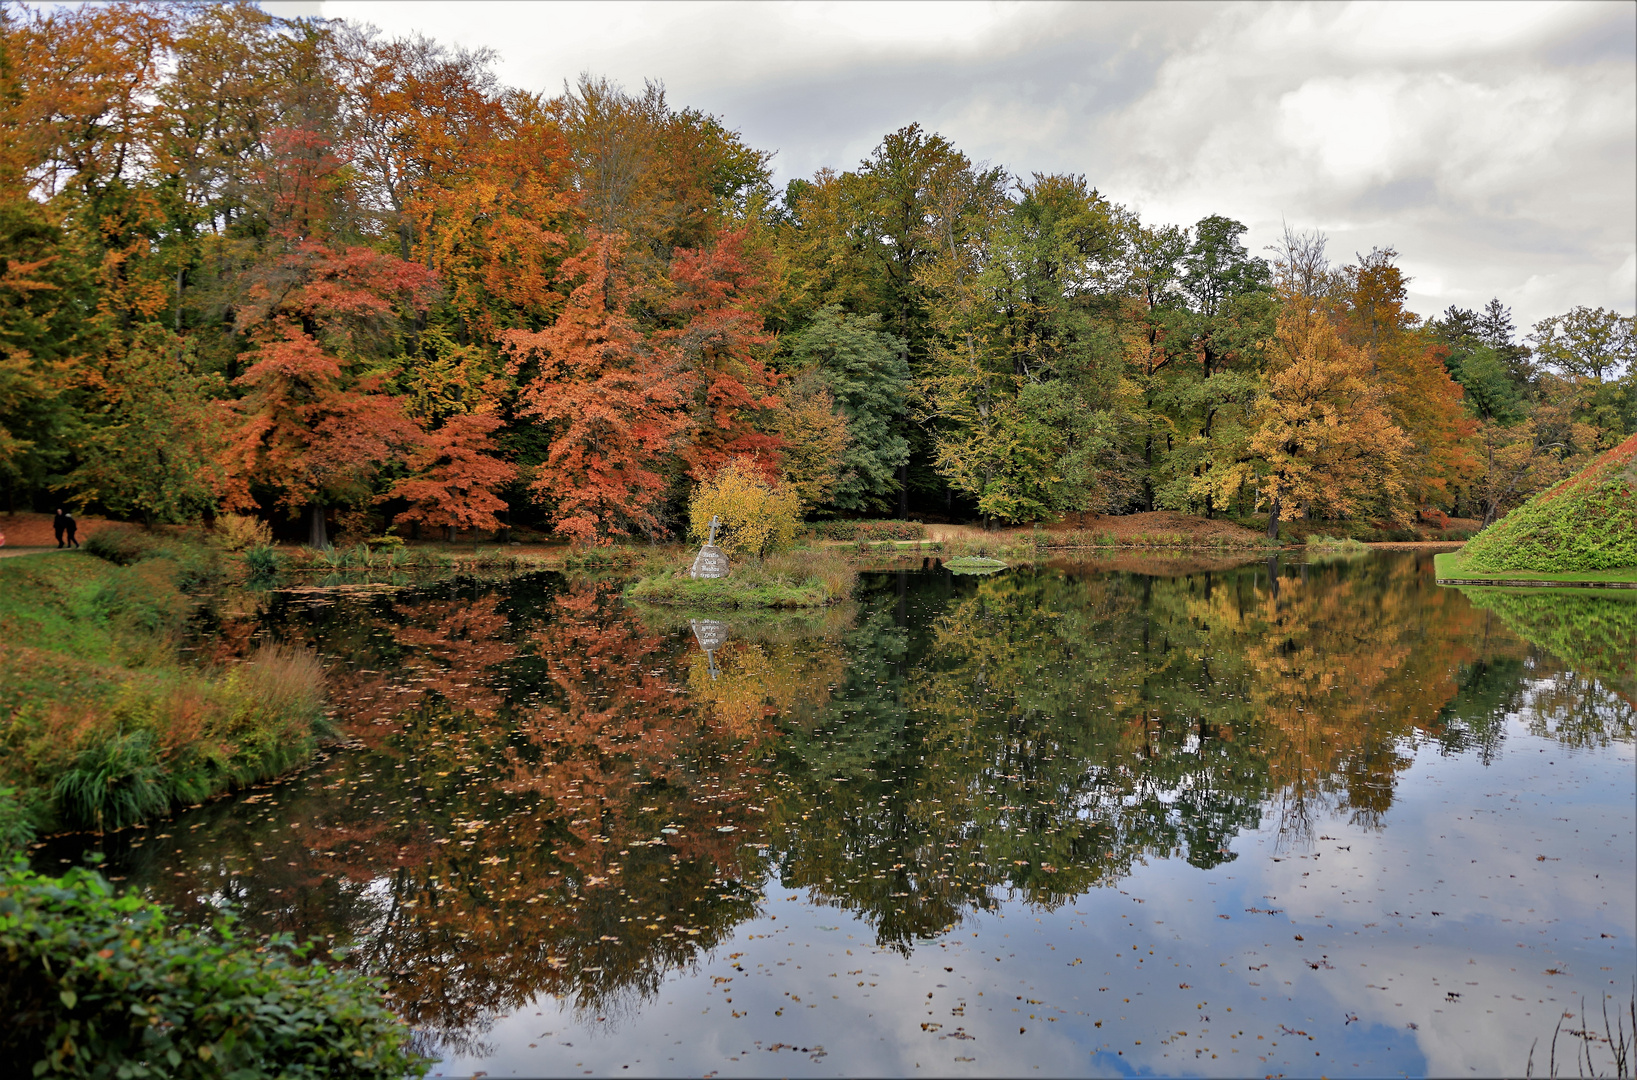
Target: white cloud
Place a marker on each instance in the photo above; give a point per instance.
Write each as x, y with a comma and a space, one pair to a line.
1494, 146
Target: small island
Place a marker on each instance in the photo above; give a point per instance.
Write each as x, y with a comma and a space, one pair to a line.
1580, 533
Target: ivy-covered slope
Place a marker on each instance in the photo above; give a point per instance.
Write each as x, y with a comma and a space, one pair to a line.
1587, 522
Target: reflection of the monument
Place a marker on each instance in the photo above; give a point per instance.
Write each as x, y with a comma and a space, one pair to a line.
558, 794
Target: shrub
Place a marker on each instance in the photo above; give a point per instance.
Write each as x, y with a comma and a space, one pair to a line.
239, 532
263, 560
756, 516
190, 565
16, 828
868, 530
96, 984
1318, 542
122, 547
114, 782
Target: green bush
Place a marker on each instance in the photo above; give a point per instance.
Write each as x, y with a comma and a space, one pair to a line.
868, 530
115, 781
16, 828
263, 561
191, 565
101, 985
122, 547
1345, 544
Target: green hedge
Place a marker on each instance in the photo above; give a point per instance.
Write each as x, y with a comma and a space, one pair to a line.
868, 530
94, 984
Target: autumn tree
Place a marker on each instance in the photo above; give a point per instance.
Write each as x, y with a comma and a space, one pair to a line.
150, 450
615, 407
815, 437
1422, 400
1322, 439
718, 342
455, 473
307, 434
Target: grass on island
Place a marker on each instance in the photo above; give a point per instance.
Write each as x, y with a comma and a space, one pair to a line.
105, 724
799, 578
1584, 527
974, 564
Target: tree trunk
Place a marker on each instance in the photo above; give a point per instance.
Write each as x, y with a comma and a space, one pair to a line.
903, 491
1273, 516
316, 536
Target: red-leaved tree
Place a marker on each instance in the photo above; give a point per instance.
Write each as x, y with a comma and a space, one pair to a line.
718, 342
455, 476
616, 407
306, 435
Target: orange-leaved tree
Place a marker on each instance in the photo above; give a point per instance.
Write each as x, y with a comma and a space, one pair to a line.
1321, 440
456, 473
1408, 363
615, 406
305, 434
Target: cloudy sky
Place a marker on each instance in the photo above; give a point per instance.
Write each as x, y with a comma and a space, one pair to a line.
1493, 145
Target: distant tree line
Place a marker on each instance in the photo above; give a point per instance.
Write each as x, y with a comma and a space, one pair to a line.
297, 267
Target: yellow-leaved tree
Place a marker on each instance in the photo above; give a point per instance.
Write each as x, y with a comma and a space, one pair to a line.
755, 515
1321, 440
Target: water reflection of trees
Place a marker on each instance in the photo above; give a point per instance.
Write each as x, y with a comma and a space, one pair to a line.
561, 795
543, 807
1047, 728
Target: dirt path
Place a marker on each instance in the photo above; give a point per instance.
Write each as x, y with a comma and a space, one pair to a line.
30, 530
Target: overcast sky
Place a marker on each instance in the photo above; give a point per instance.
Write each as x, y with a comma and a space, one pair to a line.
1493, 145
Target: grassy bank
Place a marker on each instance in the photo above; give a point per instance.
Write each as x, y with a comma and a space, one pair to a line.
102, 724
1587, 523
802, 578
1454, 566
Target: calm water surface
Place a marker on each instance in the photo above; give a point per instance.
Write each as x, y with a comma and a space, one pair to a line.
1069, 820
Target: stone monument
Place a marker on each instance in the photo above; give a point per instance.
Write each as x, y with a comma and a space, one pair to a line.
711, 634
711, 562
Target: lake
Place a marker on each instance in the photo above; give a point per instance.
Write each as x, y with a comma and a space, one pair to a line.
1136, 816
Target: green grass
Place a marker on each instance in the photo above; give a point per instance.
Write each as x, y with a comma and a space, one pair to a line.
974, 564
101, 722
1587, 523
1452, 565
793, 579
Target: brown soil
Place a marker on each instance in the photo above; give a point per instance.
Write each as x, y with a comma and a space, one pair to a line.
34, 530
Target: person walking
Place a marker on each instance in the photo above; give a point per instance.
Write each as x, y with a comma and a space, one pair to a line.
65, 527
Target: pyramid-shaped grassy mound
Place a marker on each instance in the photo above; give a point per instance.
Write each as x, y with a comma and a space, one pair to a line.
1586, 523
